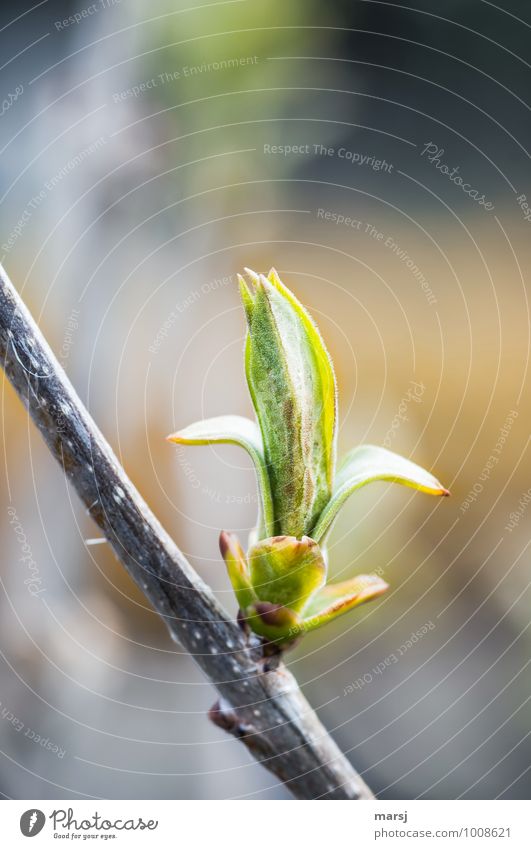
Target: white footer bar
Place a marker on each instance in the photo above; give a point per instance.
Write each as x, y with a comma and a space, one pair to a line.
266, 824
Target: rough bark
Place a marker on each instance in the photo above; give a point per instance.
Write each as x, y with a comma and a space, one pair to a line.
263, 707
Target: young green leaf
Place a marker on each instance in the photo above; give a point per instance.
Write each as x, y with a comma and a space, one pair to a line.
326, 386
234, 558
335, 599
292, 386
368, 463
235, 430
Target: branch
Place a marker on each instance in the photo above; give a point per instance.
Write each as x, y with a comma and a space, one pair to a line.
264, 708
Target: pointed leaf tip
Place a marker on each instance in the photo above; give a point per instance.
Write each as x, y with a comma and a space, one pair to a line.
252, 274
227, 543
247, 297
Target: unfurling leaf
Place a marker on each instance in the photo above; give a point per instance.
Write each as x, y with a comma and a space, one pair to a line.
335, 599
235, 430
368, 463
234, 558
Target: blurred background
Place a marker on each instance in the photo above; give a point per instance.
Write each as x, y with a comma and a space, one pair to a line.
376, 155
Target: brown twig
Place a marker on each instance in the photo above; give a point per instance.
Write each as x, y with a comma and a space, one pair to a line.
265, 709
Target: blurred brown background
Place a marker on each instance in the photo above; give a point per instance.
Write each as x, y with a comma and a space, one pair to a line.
136, 181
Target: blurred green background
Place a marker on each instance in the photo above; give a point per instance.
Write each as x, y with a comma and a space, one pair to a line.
139, 174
